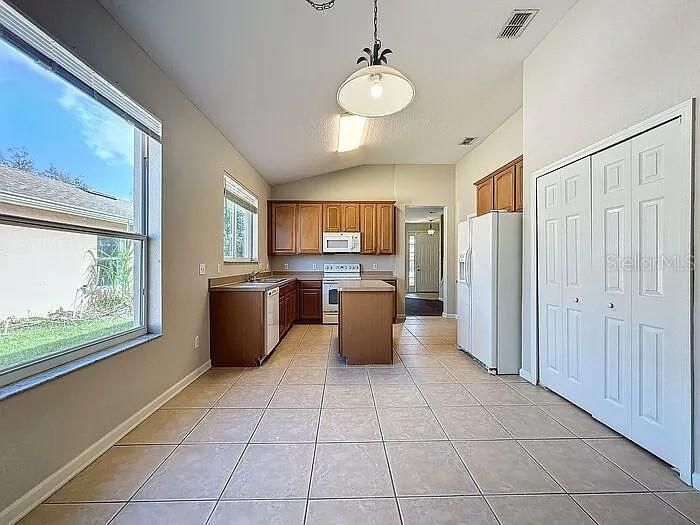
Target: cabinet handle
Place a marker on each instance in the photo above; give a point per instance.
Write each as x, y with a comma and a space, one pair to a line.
610, 305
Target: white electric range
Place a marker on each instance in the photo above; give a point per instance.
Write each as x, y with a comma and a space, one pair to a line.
332, 273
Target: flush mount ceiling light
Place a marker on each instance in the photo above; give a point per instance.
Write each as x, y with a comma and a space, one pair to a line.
376, 90
350, 131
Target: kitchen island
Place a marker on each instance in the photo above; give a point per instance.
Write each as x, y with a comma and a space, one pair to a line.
365, 316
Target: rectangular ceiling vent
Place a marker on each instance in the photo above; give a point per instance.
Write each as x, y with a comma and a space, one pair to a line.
468, 141
518, 20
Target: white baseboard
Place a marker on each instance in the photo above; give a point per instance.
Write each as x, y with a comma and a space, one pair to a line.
695, 479
527, 376
449, 316
25, 504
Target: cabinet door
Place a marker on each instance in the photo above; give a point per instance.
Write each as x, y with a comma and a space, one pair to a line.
392, 282
368, 228
309, 228
283, 314
351, 217
332, 217
291, 309
283, 228
504, 186
385, 229
484, 197
310, 304
519, 186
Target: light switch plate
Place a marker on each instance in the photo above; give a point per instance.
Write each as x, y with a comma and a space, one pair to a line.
202, 269
286, 266
196, 342
314, 266
374, 266
218, 268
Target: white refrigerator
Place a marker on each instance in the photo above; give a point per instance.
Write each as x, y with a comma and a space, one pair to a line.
489, 291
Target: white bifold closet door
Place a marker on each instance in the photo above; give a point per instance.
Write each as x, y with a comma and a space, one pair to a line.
564, 251
641, 280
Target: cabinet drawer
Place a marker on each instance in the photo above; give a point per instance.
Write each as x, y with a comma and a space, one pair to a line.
307, 285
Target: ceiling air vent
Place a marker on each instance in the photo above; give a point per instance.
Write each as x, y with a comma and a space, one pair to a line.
517, 22
468, 141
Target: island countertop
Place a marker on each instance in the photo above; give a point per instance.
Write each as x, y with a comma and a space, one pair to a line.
364, 285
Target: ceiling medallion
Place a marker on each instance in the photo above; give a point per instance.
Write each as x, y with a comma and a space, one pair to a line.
376, 90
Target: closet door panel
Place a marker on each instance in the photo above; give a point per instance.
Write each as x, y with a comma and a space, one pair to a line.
610, 285
660, 291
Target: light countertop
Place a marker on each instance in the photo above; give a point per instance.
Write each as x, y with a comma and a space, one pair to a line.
364, 285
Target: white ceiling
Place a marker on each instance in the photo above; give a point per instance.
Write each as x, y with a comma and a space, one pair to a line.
423, 213
266, 72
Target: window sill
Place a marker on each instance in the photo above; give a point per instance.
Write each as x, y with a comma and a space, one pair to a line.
41, 378
246, 261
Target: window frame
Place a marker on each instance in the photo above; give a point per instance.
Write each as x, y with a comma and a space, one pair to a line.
29, 39
230, 183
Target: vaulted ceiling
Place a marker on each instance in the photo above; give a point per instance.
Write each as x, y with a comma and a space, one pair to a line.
266, 72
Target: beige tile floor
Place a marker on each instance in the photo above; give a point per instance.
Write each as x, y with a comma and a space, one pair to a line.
430, 439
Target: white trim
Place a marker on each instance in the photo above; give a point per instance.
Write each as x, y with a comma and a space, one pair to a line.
449, 316
34, 497
695, 478
686, 112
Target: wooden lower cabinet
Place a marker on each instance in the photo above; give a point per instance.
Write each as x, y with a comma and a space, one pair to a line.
310, 298
237, 328
392, 282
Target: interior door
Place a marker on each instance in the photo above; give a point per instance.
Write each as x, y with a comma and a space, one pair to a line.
427, 262
611, 254
660, 292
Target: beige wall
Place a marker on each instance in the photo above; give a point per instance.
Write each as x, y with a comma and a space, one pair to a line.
52, 424
408, 185
498, 149
605, 67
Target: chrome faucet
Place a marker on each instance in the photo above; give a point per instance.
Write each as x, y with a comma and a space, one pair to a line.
253, 275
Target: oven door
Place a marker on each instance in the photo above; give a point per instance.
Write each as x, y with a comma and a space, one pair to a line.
330, 303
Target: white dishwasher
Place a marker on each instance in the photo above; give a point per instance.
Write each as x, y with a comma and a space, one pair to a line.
272, 319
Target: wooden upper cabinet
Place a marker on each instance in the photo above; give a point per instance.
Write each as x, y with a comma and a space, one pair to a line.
368, 228
310, 228
519, 186
350, 216
282, 229
385, 229
332, 217
484, 196
504, 188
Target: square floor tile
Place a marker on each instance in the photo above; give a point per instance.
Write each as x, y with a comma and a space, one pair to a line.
632, 509
304, 376
579, 422
539, 395
247, 396
72, 514
496, 394
349, 424
201, 395
472, 375
428, 469
115, 476
347, 396
297, 396
579, 468
447, 395
224, 376
192, 472
164, 427
538, 510
420, 361
638, 463
503, 467
431, 375
267, 374
688, 503
471, 510
226, 425
471, 422
165, 513
389, 376
309, 361
347, 376
259, 513
528, 422
350, 470
409, 424
272, 471
411, 349
397, 396
353, 512
287, 425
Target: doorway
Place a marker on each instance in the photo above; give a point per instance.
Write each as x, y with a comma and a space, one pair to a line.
424, 227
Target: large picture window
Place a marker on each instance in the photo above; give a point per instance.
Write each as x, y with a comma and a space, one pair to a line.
74, 169
240, 223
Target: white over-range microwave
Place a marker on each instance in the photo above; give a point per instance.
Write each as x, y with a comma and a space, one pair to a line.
337, 242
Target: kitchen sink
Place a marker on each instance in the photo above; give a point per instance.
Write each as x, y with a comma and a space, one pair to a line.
270, 280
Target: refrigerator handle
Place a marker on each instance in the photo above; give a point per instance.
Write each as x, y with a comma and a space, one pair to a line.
468, 269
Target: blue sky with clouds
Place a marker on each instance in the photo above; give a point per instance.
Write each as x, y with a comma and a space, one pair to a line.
60, 125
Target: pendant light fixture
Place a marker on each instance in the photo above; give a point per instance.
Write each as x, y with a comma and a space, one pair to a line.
430, 230
376, 90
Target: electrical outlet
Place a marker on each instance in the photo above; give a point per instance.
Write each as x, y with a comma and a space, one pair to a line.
218, 268
202, 269
314, 266
374, 266
196, 342
286, 266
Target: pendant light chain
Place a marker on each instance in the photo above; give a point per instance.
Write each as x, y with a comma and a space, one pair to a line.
376, 31
321, 6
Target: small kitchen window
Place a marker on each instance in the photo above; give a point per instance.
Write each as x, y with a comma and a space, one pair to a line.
240, 223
